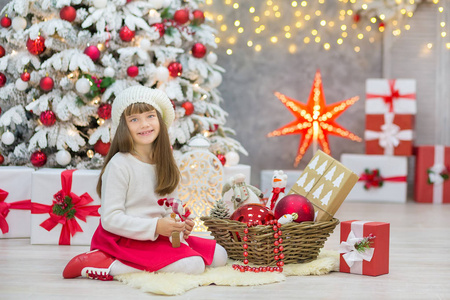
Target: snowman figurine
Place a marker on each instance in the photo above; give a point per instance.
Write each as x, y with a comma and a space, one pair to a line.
279, 181
243, 193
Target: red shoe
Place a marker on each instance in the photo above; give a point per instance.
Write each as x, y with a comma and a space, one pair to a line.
93, 264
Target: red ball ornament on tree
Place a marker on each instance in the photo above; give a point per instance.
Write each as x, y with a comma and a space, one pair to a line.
133, 71
160, 27
222, 158
5, 21
2, 51
198, 17
46, 84
93, 52
2, 80
36, 46
295, 204
188, 107
198, 50
48, 118
2, 159
104, 111
251, 213
126, 34
181, 16
38, 158
175, 69
68, 13
102, 148
25, 76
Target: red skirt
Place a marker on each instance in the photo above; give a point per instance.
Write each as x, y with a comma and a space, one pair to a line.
151, 255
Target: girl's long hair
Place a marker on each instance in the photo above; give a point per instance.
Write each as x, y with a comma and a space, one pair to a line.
167, 173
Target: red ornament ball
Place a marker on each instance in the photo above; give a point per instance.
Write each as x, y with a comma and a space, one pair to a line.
356, 18
5, 22
222, 158
2, 51
295, 204
102, 148
92, 52
48, 118
181, 16
198, 17
2, 80
251, 213
175, 69
2, 159
68, 13
104, 111
188, 107
36, 46
381, 25
38, 158
126, 34
133, 71
160, 27
198, 50
25, 76
46, 84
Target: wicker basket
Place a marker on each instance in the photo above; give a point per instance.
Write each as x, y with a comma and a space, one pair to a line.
301, 241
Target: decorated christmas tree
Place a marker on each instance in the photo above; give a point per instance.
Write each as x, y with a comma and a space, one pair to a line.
63, 62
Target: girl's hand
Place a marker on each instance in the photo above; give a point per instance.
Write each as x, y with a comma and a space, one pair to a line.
166, 226
189, 224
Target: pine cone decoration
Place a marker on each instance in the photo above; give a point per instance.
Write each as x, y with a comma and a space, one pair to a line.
220, 210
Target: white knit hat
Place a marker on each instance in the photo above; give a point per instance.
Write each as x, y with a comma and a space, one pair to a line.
141, 94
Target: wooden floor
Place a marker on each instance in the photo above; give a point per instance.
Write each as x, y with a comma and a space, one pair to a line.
419, 266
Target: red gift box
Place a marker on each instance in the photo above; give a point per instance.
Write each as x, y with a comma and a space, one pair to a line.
372, 260
389, 134
432, 183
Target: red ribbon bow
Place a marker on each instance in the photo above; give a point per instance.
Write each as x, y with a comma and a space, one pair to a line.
276, 192
394, 94
5, 207
373, 179
70, 225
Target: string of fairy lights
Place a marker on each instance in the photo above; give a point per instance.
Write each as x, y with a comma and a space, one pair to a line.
311, 22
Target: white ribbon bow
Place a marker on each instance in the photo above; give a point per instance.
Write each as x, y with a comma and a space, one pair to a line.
435, 174
351, 254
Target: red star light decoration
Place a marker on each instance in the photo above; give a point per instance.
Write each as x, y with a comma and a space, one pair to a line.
315, 120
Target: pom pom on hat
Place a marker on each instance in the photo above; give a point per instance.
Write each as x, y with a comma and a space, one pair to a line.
141, 94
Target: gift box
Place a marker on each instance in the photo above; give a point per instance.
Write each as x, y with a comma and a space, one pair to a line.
389, 134
432, 183
391, 95
364, 247
15, 202
382, 178
325, 182
64, 208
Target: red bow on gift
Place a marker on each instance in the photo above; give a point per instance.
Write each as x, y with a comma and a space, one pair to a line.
5, 207
373, 179
394, 94
65, 209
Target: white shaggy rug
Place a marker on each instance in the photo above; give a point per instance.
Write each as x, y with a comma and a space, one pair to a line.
179, 283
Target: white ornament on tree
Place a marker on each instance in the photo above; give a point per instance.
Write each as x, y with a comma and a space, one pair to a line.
19, 23
83, 85
157, 4
100, 3
232, 158
211, 58
145, 44
21, 85
63, 157
8, 138
162, 74
215, 79
109, 72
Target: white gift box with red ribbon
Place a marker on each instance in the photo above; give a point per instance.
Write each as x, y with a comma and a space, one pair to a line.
391, 95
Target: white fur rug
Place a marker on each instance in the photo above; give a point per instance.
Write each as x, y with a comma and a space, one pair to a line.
179, 283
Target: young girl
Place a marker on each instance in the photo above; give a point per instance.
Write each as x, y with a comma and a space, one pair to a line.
133, 234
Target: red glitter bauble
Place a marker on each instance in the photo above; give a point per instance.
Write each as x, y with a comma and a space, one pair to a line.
198, 17
222, 158
25, 76
295, 204
133, 71
188, 107
2, 51
2, 159
198, 50
46, 84
160, 27
38, 158
102, 148
104, 111
36, 46
92, 52
48, 118
5, 22
2, 80
181, 16
251, 213
68, 13
175, 69
126, 34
